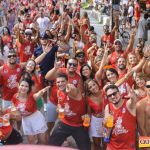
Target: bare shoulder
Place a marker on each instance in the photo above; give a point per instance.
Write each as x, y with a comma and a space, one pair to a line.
141, 104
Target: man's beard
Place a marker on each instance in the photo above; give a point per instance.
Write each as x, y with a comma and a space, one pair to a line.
122, 67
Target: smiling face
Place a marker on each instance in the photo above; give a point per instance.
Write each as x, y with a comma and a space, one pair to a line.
23, 88
72, 65
121, 63
113, 96
132, 59
12, 58
86, 72
61, 83
111, 76
140, 82
93, 87
30, 66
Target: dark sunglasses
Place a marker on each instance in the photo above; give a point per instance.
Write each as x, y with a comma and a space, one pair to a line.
72, 64
9, 56
147, 86
80, 56
113, 94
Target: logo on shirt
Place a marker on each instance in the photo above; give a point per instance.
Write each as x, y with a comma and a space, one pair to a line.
74, 82
68, 111
5, 71
119, 129
12, 81
27, 50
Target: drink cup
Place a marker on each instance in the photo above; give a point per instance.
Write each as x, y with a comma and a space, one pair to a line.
86, 122
61, 114
107, 134
110, 122
6, 121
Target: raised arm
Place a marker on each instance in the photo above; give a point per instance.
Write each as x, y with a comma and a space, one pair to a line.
40, 93
73, 92
131, 42
45, 51
52, 74
103, 62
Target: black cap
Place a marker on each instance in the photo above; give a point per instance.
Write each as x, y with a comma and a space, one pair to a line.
44, 37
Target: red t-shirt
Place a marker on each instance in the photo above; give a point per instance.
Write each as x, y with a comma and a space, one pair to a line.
26, 50
114, 57
74, 109
9, 80
29, 105
124, 131
7, 39
73, 80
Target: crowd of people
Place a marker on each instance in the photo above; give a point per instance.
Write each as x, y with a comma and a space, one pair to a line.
57, 81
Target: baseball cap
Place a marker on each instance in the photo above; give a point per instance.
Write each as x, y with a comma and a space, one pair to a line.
117, 40
79, 51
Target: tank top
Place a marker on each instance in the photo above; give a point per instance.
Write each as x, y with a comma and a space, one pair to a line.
124, 131
10, 79
96, 108
74, 109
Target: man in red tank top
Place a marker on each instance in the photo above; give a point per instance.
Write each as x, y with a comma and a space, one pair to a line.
70, 100
123, 135
9, 77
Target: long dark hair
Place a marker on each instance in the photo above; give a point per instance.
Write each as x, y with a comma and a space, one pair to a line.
30, 83
113, 71
1, 46
7, 30
87, 92
34, 66
82, 76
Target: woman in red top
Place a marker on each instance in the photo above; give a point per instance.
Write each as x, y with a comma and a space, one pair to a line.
30, 70
96, 106
7, 38
25, 102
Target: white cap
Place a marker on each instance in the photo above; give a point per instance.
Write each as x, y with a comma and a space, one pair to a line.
28, 31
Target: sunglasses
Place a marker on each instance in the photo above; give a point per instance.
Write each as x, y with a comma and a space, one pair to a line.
72, 64
138, 46
80, 56
147, 86
113, 94
9, 56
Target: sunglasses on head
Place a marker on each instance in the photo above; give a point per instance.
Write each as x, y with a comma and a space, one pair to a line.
72, 64
113, 94
147, 86
9, 56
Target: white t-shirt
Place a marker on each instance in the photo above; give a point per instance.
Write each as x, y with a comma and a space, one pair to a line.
43, 24
130, 11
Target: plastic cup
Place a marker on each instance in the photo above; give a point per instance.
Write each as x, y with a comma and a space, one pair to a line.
110, 122
61, 114
86, 122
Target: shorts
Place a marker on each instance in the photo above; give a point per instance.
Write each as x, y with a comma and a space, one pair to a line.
34, 124
14, 138
96, 128
51, 112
